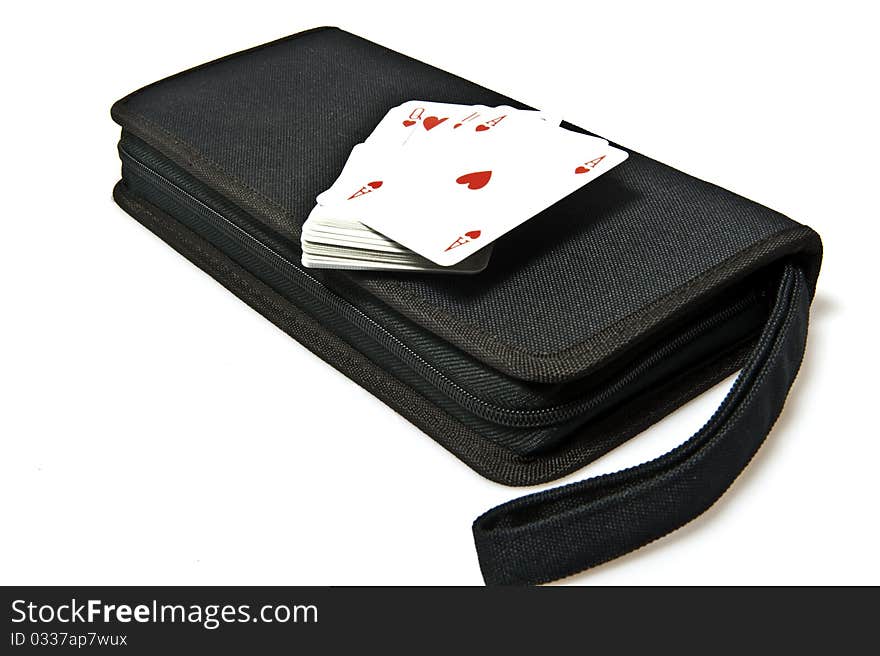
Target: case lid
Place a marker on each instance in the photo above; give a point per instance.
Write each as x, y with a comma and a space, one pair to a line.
597, 273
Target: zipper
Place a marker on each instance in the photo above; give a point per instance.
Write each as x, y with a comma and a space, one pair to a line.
512, 417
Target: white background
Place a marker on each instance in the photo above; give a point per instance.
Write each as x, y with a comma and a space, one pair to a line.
155, 430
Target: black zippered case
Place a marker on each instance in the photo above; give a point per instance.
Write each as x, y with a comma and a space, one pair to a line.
592, 321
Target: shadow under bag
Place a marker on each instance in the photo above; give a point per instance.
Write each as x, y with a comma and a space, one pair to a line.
592, 321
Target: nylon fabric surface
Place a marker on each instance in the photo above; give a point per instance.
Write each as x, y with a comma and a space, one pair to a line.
563, 293
485, 456
523, 438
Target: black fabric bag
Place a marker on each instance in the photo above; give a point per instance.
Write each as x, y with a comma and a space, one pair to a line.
592, 321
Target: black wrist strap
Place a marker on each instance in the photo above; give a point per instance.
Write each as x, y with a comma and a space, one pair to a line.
549, 535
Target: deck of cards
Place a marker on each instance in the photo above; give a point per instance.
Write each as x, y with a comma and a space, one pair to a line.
435, 184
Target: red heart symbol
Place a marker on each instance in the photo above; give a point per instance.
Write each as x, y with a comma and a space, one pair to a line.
481, 128
473, 234
408, 122
476, 180
581, 169
433, 122
376, 184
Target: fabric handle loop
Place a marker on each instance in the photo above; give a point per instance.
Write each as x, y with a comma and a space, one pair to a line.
552, 534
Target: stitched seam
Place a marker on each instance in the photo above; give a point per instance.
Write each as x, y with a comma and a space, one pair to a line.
570, 408
384, 331
502, 473
196, 154
257, 294
589, 345
616, 328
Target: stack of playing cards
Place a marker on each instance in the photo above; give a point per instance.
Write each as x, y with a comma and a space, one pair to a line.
435, 184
